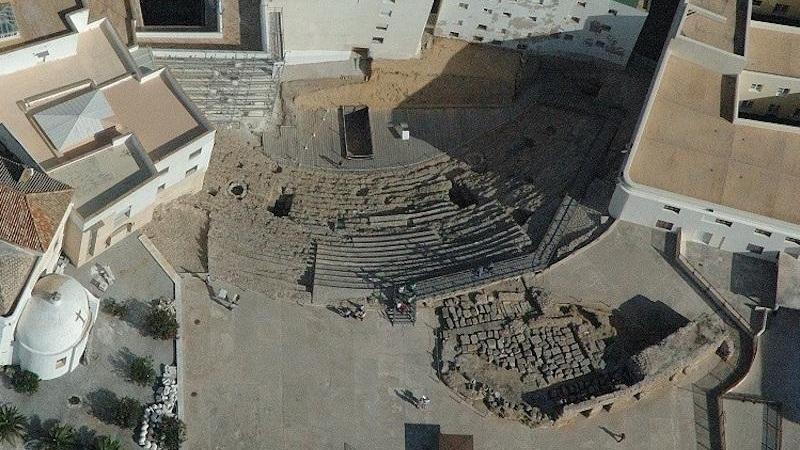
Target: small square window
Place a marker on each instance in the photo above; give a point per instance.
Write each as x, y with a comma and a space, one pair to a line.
756, 87
533, 18
383, 27
477, 38
191, 171
613, 12
763, 232
377, 40
195, 153
161, 187
753, 248
163, 171
782, 92
664, 225
481, 27
674, 209
487, 10
453, 34
576, 19
463, 5
507, 14
61, 362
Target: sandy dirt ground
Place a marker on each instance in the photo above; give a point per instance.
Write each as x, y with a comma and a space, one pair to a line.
449, 73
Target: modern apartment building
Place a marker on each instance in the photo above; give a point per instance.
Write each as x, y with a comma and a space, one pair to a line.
604, 29
314, 31
77, 107
717, 150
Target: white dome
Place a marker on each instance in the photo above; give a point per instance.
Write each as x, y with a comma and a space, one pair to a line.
56, 316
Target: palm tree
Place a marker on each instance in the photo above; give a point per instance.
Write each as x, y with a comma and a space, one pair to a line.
12, 425
60, 437
107, 443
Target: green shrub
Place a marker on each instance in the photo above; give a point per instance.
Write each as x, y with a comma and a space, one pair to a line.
170, 433
25, 382
161, 321
59, 437
12, 425
106, 443
115, 308
127, 413
141, 371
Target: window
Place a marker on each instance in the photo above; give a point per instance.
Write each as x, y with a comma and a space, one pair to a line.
383, 27
387, 13
664, 225
746, 104
487, 10
613, 12
61, 362
377, 40
481, 27
477, 38
126, 212
507, 14
161, 187
583, 4
793, 240
773, 108
782, 92
503, 31
453, 34
576, 19
672, 208
463, 5
533, 18
763, 232
195, 153
191, 171
780, 9
753, 248
755, 87
727, 223
163, 171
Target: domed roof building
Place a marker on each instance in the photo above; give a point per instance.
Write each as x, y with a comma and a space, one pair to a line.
54, 326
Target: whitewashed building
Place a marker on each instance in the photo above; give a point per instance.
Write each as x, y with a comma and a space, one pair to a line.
45, 318
317, 31
716, 153
77, 107
604, 29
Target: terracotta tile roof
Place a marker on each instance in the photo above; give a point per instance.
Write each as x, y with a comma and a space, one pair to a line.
15, 269
31, 206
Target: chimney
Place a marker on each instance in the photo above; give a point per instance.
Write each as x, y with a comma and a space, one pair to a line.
25, 175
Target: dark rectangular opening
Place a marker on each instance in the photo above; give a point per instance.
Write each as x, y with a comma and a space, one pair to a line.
282, 205
189, 13
357, 132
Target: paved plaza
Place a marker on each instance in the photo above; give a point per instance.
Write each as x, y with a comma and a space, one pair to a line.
275, 374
